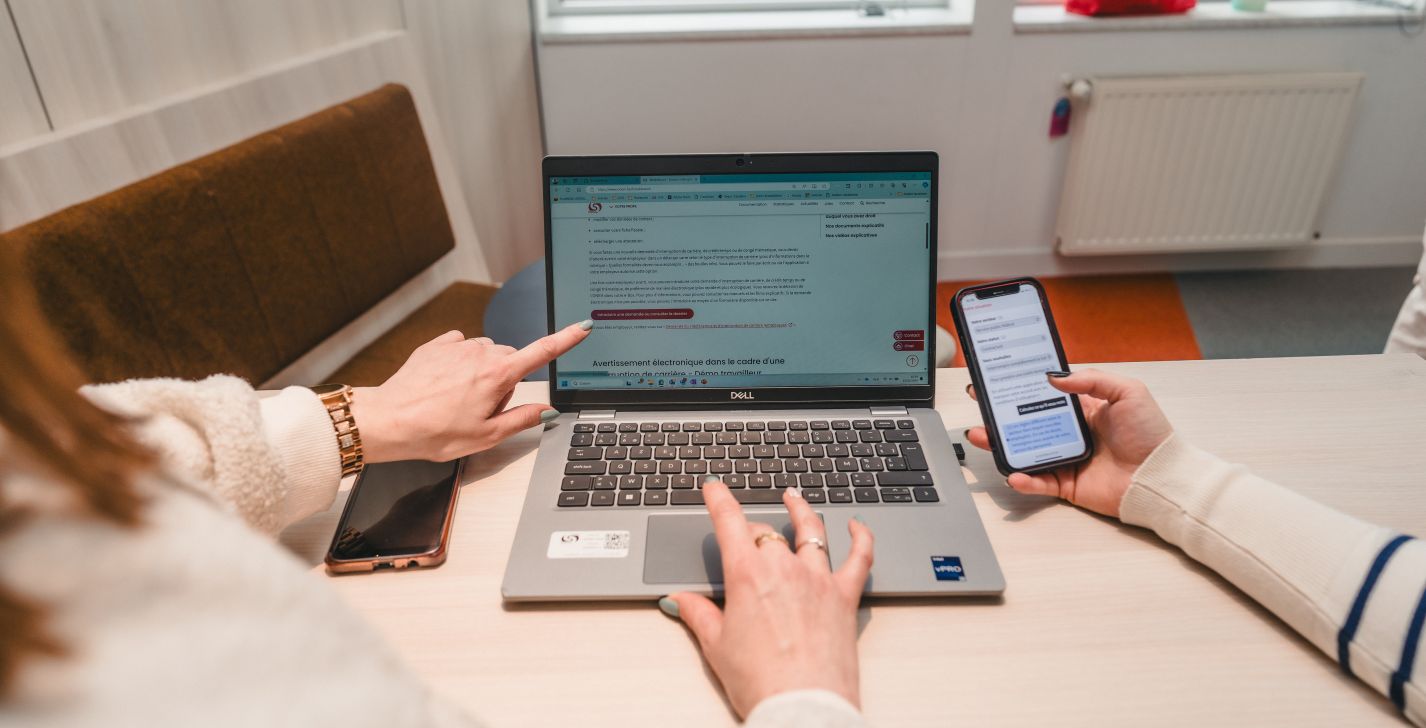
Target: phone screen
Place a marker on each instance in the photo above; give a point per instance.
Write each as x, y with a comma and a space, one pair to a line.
1013, 348
396, 509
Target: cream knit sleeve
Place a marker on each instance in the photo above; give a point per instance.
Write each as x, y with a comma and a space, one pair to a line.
272, 461
1355, 590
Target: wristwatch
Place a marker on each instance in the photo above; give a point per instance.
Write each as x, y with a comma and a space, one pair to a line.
337, 398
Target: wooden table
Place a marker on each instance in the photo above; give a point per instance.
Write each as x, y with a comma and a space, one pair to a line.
1101, 624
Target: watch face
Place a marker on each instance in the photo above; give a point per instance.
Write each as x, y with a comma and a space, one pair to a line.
322, 390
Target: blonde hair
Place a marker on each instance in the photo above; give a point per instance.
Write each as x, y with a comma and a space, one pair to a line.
50, 427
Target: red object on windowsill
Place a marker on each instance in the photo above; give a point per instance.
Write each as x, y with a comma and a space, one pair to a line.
1128, 7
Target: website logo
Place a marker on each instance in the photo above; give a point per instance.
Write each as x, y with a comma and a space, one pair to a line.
595, 207
740, 395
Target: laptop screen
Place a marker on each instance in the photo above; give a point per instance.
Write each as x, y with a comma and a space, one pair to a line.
743, 280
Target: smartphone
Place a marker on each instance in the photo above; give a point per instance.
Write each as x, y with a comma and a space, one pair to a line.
398, 516
1009, 339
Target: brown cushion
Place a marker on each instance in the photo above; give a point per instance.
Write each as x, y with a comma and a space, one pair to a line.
243, 260
460, 307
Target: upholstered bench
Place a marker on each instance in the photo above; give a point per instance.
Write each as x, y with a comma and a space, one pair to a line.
242, 261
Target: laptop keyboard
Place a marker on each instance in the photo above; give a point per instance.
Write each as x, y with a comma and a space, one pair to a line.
663, 464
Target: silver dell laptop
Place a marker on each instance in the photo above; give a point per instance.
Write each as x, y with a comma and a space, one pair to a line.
769, 319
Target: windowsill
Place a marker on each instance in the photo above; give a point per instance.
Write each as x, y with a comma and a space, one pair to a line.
1279, 14
627, 28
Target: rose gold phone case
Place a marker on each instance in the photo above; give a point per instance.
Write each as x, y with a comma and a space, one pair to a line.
434, 557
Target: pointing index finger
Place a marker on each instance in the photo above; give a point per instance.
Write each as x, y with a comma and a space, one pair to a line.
545, 350
730, 526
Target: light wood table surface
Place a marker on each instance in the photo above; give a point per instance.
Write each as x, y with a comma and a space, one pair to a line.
1101, 624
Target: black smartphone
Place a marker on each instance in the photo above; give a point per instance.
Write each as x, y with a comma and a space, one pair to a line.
1009, 339
398, 516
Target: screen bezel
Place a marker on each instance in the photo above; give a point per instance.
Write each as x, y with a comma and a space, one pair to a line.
973, 365
750, 397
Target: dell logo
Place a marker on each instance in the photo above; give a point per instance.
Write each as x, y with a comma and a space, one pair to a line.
740, 395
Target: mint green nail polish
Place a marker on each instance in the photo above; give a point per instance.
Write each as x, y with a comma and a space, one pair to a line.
549, 415
669, 607
586, 324
858, 520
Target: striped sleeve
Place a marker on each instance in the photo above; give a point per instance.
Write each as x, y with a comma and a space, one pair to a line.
1355, 590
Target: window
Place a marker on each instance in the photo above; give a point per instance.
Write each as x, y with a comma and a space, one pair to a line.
870, 7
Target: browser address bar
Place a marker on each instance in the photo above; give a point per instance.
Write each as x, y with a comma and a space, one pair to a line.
752, 186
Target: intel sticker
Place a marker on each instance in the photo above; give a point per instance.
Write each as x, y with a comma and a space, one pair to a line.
948, 568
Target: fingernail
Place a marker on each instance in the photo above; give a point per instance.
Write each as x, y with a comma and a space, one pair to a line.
586, 324
710, 478
858, 519
669, 607
549, 415
965, 434
968, 386
1057, 374
795, 491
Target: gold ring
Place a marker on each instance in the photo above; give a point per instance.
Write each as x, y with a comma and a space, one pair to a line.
766, 535
813, 541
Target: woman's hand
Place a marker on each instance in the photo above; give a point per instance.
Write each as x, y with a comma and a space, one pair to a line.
448, 399
789, 622
1127, 425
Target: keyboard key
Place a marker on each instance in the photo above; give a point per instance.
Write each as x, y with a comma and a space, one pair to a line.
691, 452
692, 426
915, 458
584, 427
760, 480
631, 482
573, 500
644, 467
755, 426
905, 424
702, 438
818, 424
630, 438
841, 425
823, 437
578, 440
838, 480
686, 497
631, 498
745, 466
726, 438
820, 465
813, 451
788, 451
758, 497
838, 451
896, 463
845, 465
575, 482
770, 466
784, 480
886, 450
585, 468
901, 436
665, 453
863, 480
865, 495
606, 439
654, 438
925, 494
621, 467
712, 426
777, 425
751, 438
811, 480
775, 438
601, 498
604, 482
655, 498
861, 424
585, 453
733, 426
895, 495
738, 452
669, 467
677, 438
669, 427
695, 467
796, 465
872, 465
616, 453
680, 482
884, 425
628, 427
908, 478
649, 427
735, 480
720, 467
799, 438
872, 436
815, 496
863, 450
795, 426
846, 436
839, 495
607, 427
641, 452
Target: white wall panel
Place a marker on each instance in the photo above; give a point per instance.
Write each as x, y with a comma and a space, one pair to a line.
481, 68
21, 113
95, 57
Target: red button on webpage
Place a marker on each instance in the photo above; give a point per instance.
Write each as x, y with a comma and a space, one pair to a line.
909, 335
640, 314
909, 346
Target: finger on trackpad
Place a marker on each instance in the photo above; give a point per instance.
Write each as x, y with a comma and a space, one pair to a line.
683, 550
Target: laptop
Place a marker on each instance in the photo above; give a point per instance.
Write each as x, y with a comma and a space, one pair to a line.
766, 318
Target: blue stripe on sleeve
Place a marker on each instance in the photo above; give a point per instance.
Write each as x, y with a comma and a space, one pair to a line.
1408, 655
1359, 605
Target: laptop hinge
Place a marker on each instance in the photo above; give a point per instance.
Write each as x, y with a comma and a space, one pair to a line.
887, 411
603, 414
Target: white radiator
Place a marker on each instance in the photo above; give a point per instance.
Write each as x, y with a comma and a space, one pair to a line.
1201, 163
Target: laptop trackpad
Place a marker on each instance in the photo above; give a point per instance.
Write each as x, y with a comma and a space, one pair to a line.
683, 550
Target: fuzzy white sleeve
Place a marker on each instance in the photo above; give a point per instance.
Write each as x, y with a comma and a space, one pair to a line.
1355, 590
271, 461
806, 709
